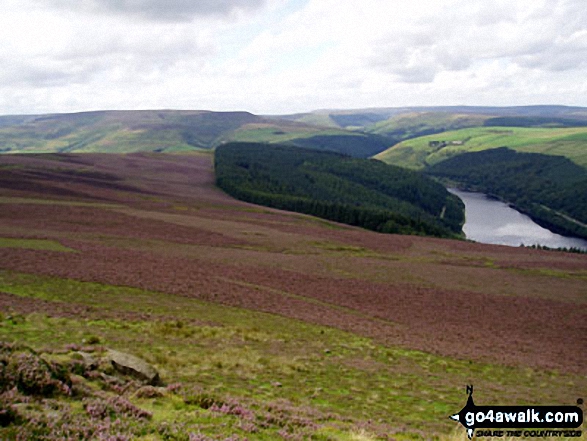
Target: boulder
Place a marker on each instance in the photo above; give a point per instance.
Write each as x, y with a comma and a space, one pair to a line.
89, 361
134, 366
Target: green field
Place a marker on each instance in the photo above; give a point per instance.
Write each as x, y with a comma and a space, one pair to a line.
418, 153
411, 125
275, 133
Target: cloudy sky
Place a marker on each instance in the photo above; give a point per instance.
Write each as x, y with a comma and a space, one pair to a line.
286, 56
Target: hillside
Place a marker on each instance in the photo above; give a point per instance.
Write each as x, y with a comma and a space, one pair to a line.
413, 125
429, 150
262, 324
440, 116
359, 192
359, 133
121, 131
360, 145
169, 131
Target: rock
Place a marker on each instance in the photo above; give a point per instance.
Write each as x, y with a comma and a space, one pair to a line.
134, 366
89, 361
150, 392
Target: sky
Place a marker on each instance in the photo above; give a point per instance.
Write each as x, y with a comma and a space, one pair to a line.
289, 56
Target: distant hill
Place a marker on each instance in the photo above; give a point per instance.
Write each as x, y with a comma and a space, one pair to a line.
359, 133
121, 131
278, 131
416, 124
424, 151
397, 124
368, 119
169, 131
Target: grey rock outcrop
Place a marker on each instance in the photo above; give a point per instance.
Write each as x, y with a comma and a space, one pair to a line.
134, 366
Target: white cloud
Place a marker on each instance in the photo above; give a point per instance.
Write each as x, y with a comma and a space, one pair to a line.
276, 56
157, 10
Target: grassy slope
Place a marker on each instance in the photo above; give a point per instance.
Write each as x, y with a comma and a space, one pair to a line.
417, 153
411, 125
277, 133
386, 120
149, 270
121, 131
165, 130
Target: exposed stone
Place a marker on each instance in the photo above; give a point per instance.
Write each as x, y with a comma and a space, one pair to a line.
134, 366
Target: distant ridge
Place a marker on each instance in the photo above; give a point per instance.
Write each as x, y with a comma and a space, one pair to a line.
528, 110
356, 132
126, 131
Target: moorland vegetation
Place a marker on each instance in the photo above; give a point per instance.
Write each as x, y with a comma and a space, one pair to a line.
263, 324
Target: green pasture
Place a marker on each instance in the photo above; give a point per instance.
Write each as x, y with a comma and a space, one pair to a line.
276, 134
413, 124
418, 153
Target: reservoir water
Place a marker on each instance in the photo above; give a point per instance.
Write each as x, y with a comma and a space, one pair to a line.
492, 221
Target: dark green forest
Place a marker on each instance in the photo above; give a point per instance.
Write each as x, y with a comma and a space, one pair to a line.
533, 121
362, 146
361, 192
551, 189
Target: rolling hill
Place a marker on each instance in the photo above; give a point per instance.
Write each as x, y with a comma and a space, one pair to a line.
424, 151
413, 125
399, 124
377, 118
121, 131
360, 133
169, 131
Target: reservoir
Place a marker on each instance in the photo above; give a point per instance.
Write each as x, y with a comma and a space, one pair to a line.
492, 221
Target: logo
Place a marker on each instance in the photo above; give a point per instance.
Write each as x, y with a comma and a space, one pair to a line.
474, 417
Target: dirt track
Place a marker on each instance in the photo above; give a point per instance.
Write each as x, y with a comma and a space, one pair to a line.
170, 230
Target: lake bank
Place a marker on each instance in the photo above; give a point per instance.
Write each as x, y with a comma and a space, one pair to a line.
491, 221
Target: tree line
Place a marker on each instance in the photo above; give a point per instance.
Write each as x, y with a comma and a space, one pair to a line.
361, 192
550, 189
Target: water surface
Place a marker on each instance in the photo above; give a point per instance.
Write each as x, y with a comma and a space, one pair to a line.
492, 221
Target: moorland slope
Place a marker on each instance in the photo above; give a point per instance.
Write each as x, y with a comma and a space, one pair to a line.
266, 324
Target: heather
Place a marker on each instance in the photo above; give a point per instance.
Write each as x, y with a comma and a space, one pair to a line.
260, 324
